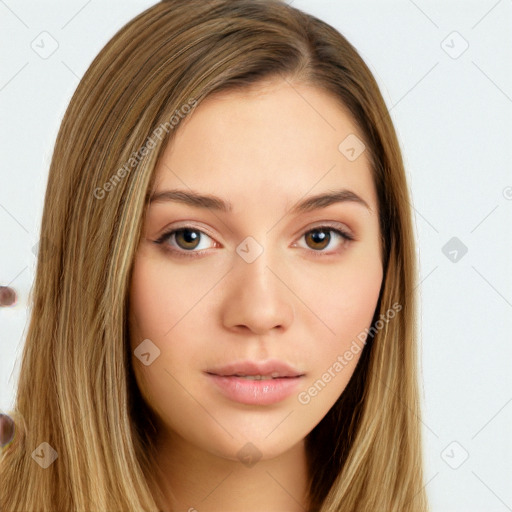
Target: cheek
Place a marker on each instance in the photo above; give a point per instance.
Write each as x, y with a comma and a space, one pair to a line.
344, 299
159, 300
354, 298
159, 303
155, 312
346, 308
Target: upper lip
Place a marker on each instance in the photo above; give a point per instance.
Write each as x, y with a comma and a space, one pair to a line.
272, 367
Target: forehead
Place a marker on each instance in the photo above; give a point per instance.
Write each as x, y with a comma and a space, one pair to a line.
275, 141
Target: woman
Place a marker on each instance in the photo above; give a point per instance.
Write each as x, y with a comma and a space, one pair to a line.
255, 370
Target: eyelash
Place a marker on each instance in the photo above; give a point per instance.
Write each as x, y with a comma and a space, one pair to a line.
194, 254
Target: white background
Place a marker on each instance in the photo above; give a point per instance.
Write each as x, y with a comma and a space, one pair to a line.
453, 114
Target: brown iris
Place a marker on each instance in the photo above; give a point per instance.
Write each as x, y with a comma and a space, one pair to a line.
319, 236
189, 236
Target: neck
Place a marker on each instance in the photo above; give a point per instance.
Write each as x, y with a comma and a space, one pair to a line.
194, 480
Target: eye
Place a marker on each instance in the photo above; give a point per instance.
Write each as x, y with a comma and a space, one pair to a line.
320, 237
188, 239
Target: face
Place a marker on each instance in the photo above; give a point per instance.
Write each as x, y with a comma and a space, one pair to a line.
261, 287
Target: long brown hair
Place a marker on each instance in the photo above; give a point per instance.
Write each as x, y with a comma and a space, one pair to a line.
76, 388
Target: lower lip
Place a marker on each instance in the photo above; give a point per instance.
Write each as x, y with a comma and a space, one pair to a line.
255, 392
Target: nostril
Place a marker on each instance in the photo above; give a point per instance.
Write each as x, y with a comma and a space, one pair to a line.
7, 296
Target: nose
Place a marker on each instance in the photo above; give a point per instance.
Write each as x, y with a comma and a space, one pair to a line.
258, 298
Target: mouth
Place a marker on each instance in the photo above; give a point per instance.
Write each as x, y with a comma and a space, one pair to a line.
256, 383
274, 376
260, 370
257, 377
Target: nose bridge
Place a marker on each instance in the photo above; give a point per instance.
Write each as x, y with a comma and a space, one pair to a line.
252, 266
257, 298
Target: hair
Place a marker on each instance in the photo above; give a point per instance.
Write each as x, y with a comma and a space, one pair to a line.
76, 388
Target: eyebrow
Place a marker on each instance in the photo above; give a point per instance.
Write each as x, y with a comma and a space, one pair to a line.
213, 202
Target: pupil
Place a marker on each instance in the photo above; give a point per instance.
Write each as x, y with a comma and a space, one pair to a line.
320, 236
189, 235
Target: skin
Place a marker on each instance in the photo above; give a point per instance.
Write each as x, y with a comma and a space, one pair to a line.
301, 300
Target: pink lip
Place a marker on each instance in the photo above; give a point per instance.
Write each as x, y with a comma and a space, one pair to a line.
268, 367
256, 392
